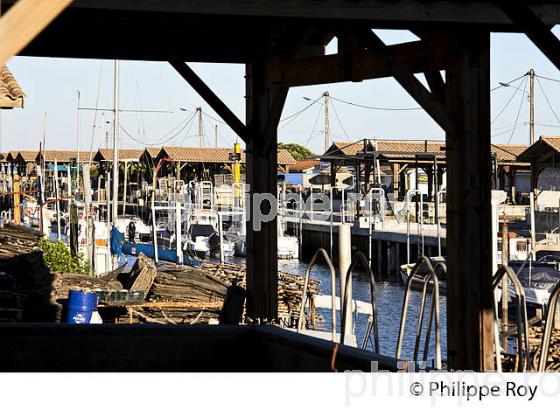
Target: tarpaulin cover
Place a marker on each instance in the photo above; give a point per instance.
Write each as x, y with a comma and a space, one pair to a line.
541, 275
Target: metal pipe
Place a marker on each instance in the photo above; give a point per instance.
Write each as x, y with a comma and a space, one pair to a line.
438, 223
331, 223
320, 251
547, 334
522, 321
359, 257
432, 278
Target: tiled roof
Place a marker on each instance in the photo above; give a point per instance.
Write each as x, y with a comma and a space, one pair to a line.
153, 151
106, 154
303, 164
553, 142
64, 156
543, 145
11, 94
27, 156
400, 148
393, 148
285, 158
213, 155
508, 152
409, 147
197, 154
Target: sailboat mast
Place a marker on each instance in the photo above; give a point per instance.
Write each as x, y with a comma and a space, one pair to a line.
532, 106
114, 209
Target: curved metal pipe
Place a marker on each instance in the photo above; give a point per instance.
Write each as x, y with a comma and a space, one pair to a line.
360, 257
301, 315
430, 278
522, 321
547, 334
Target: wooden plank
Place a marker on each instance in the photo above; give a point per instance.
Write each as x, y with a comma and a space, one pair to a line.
418, 56
380, 11
469, 178
212, 99
405, 77
24, 21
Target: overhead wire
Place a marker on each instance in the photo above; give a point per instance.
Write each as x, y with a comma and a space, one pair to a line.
378, 108
503, 85
507, 103
314, 126
340, 122
518, 112
548, 101
159, 142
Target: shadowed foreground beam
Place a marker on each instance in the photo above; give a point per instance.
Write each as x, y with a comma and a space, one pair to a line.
469, 239
212, 99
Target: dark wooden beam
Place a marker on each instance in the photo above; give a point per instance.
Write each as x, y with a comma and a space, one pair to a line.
436, 84
405, 77
469, 180
357, 65
539, 33
212, 99
279, 96
392, 13
261, 157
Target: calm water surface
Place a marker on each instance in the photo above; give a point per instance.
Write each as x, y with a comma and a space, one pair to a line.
389, 304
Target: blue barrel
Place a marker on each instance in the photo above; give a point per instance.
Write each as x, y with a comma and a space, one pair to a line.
80, 306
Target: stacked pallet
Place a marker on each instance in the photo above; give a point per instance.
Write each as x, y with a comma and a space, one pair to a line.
182, 294
535, 341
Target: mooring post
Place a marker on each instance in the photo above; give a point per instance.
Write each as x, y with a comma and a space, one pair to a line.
344, 262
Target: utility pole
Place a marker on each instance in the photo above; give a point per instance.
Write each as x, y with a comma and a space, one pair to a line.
327, 130
216, 135
200, 137
114, 210
532, 106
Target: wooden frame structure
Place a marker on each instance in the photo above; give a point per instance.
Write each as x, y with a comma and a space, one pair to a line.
281, 44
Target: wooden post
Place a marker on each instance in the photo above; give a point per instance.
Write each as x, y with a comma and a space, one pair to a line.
396, 179
505, 298
263, 109
17, 214
469, 290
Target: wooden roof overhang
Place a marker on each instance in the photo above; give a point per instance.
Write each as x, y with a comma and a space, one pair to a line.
282, 43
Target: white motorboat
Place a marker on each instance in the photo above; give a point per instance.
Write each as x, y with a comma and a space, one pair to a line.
143, 232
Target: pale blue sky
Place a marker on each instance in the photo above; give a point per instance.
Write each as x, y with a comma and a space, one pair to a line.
50, 85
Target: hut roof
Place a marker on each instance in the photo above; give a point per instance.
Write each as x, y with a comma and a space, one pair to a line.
408, 149
26, 156
214, 155
304, 164
62, 156
542, 146
106, 154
